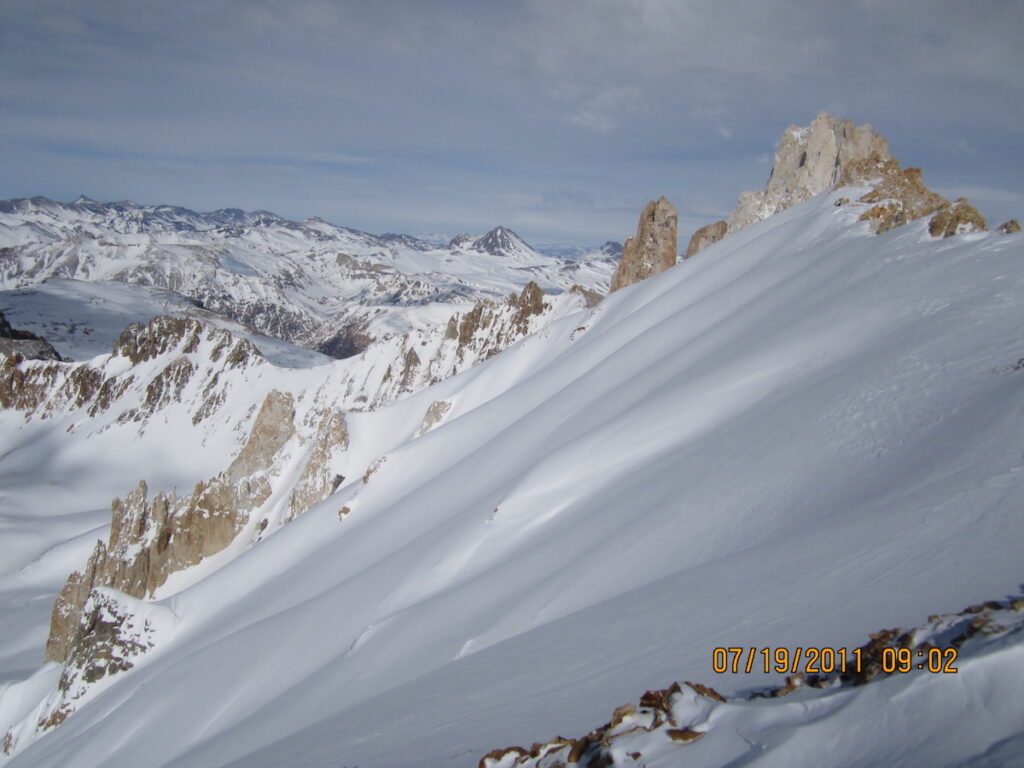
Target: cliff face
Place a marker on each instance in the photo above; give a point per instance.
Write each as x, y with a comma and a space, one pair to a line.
152, 539
653, 249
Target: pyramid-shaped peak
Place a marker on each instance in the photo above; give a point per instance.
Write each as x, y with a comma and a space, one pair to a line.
502, 241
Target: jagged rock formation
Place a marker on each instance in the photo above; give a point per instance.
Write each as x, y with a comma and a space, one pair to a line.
317, 481
1009, 227
150, 540
705, 236
401, 365
897, 195
808, 161
957, 219
653, 250
24, 344
832, 153
114, 633
40, 389
684, 713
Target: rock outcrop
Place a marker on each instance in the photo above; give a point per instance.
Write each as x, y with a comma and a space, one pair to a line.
150, 540
832, 153
957, 219
897, 195
317, 481
24, 344
653, 249
41, 389
1008, 227
808, 161
705, 236
685, 713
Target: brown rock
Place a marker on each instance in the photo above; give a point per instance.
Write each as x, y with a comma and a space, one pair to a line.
898, 195
317, 482
151, 540
808, 161
654, 248
707, 691
273, 428
497, 755
683, 734
590, 298
435, 412
705, 236
956, 219
1008, 228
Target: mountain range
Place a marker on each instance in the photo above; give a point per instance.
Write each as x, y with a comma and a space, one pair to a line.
315, 285
501, 524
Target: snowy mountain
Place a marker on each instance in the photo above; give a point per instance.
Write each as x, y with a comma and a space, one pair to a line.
313, 284
802, 434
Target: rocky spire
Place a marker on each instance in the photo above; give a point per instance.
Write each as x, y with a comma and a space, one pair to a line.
808, 161
833, 153
653, 250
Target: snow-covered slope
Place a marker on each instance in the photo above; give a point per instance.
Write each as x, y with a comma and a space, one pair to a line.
800, 435
311, 283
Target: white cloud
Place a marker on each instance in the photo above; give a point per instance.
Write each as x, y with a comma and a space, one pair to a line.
606, 110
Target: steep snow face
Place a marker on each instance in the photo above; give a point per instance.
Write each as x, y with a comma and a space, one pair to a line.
802, 434
310, 283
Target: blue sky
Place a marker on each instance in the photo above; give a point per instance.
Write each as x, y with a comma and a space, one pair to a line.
557, 118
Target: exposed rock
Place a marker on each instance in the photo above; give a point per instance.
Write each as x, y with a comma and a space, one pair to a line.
274, 426
150, 540
897, 196
957, 219
24, 344
683, 734
1008, 228
808, 161
347, 341
435, 412
591, 298
318, 481
695, 704
653, 250
114, 631
40, 389
705, 236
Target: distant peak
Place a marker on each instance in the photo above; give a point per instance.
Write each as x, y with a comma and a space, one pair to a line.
501, 241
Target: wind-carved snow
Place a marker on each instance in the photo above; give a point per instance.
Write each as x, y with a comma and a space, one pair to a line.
801, 434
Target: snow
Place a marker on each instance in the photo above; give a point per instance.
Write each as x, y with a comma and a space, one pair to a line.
301, 281
801, 435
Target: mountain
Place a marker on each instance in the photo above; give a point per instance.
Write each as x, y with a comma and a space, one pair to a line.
313, 284
803, 434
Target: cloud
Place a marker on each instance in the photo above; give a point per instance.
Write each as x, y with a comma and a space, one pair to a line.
322, 103
606, 110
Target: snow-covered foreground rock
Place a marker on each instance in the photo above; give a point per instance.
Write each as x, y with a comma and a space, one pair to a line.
802, 434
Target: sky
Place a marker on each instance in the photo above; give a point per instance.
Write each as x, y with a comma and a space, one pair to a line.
557, 118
